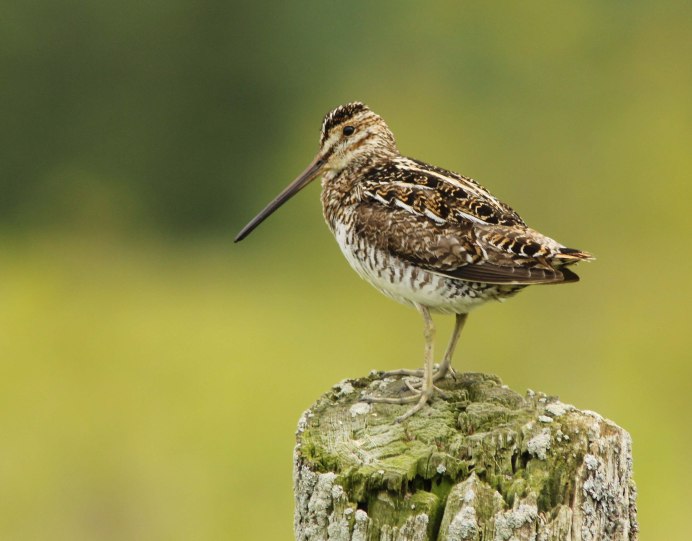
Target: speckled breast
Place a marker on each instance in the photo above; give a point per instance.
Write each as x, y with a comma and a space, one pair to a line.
410, 284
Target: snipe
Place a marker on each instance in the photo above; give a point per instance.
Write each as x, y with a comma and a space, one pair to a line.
422, 235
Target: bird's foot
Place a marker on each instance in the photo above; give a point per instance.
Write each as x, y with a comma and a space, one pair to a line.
439, 373
420, 396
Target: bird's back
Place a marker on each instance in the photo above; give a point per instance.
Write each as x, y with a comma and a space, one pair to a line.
415, 230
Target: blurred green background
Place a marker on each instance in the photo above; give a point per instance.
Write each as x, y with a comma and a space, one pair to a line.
153, 372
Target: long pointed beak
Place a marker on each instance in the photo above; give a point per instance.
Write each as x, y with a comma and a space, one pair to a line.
293, 188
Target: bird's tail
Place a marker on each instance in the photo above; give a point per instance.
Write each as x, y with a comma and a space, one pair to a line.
569, 256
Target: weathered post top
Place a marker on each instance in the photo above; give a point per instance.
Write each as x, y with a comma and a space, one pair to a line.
484, 464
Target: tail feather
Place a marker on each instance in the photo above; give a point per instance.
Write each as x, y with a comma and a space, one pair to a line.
569, 256
568, 275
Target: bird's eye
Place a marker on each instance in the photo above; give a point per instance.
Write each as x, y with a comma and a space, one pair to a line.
348, 130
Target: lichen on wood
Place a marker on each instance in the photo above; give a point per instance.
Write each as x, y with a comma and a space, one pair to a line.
483, 464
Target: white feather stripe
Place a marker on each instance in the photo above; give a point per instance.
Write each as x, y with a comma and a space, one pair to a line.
406, 163
470, 217
399, 203
428, 213
434, 217
377, 197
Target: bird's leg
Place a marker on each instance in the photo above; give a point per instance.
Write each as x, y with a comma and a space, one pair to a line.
428, 387
421, 396
446, 363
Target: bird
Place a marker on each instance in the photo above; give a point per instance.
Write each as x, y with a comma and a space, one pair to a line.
422, 235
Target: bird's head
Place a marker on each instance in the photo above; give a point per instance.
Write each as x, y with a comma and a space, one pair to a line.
350, 133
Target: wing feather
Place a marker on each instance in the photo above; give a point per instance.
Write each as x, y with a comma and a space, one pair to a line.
490, 273
464, 250
446, 195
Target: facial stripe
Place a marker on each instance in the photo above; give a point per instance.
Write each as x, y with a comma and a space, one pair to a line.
339, 115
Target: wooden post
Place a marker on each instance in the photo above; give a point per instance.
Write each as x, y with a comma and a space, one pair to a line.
485, 464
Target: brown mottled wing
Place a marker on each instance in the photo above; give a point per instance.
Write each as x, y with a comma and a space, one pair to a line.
443, 196
490, 273
467, 250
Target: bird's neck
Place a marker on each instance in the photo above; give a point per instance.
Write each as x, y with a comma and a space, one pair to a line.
341, 188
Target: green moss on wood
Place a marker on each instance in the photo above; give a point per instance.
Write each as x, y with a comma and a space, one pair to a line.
511, 448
